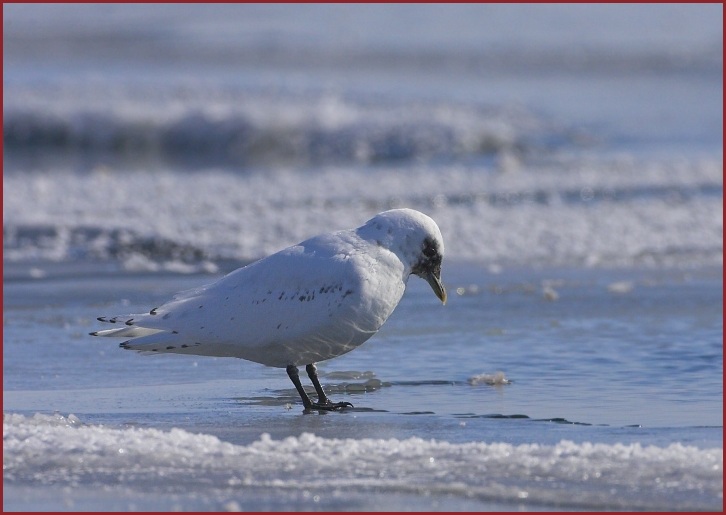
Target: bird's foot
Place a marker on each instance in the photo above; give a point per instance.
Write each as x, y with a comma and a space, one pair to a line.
328, 405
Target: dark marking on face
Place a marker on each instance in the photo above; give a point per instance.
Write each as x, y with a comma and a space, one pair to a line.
153, 311
175, 332
302, 298
201, 306
130, 321
170, 347
430, 260
184, 346
278, 325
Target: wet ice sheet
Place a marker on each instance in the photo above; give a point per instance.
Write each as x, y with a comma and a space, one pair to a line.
597, 374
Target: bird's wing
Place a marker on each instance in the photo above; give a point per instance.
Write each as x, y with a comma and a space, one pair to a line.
301, 305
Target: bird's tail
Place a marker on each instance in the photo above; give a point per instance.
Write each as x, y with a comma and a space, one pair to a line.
145, 339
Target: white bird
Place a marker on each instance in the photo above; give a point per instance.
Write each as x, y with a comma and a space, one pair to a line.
307, 303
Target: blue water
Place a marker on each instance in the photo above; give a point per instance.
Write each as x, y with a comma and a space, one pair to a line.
571, 155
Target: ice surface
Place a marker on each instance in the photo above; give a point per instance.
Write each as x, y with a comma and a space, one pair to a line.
619, 212
495, 379
195, 123
58, 450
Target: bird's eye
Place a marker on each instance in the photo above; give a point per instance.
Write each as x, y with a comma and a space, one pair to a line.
429, 251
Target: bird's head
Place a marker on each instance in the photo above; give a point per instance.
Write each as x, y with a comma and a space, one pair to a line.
415, 239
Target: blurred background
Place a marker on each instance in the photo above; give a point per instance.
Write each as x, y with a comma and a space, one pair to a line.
184, 137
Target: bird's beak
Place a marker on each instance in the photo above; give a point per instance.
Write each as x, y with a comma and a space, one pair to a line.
434, 281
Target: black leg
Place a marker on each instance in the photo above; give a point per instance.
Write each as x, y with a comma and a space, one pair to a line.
312, 371
294, 375
323, 401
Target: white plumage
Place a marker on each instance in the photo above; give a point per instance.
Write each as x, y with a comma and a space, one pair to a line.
310, 302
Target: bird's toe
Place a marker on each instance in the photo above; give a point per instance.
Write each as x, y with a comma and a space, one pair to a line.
330, 406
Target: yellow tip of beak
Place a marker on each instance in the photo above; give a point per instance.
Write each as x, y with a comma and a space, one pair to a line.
438, 287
